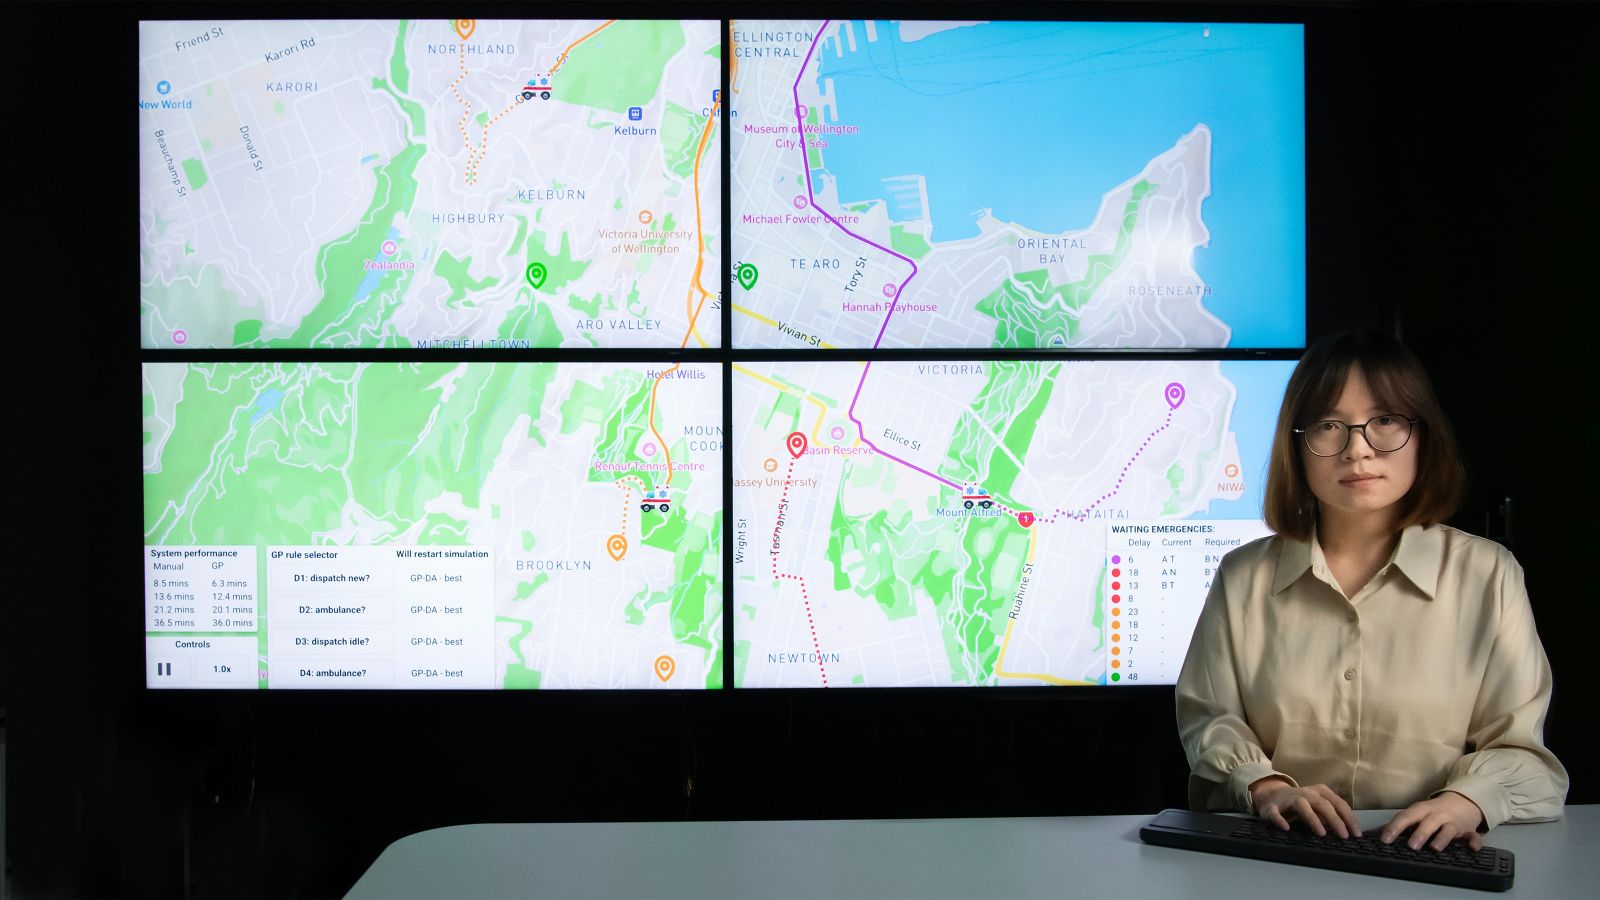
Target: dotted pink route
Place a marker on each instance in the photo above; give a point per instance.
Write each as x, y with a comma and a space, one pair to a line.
805, 596
1115, 488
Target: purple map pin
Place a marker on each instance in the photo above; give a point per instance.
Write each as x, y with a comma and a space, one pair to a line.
1174, 394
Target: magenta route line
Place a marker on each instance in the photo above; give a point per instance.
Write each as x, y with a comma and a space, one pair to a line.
894, 302
811, 200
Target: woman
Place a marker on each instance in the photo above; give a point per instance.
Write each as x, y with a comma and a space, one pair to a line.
1367, 656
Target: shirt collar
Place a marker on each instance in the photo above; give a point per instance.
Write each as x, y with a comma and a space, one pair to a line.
1294, 560
1418, 555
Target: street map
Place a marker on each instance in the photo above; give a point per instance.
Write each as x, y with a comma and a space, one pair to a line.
987, 523
1017, 184
433, 525
429, 183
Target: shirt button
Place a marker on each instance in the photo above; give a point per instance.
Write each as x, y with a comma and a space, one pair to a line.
1349, 674
1354, 618
1349, 735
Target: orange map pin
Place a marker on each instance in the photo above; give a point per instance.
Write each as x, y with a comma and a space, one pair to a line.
664, 667
617, 546
465, 27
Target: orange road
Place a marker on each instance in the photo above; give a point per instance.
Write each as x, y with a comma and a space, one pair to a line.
475, 157
562, 60
694, 282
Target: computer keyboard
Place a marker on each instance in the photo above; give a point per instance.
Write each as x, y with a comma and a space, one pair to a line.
1488, 869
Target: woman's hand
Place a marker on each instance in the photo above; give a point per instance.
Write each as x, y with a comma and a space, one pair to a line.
1317, 805
1447, 817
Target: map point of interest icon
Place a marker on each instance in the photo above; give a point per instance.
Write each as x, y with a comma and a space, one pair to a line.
1025, 519
649, 449
747, 276
180, 336
888, 290
837, 433
617, 546
465, 27
664, 667
800, 201
1174, 395
537, 273
796, 444
390, 248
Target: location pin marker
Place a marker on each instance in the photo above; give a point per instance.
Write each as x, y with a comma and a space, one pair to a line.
1174, 395
616, 545
1025, 519
797, 444
664, 667
465, 27
747, 275
537, 273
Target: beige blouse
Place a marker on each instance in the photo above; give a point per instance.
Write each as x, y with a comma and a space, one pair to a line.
1430, 678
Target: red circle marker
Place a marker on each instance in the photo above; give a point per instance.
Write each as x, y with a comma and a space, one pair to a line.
797, 444
1116, 585
1116, 573
1025, 519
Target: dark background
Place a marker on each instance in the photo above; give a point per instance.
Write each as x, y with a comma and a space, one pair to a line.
1450, 200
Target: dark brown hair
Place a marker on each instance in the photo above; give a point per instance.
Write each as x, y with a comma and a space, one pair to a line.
1398, 383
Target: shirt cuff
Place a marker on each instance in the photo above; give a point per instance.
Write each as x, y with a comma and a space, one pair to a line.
1246, 774
1484, 791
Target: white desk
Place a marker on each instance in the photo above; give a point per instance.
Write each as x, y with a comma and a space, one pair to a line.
1090, 856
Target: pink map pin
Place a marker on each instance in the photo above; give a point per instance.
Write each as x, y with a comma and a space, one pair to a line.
1174, 395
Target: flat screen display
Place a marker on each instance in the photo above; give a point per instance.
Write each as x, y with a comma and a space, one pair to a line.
1017, 184
434, 183
1011, 523
433, 525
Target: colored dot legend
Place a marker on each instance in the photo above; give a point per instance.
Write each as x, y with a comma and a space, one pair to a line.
1116, 573
1116, 560
1116, 676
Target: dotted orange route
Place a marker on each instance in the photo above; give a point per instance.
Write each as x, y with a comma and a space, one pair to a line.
475, 157
627, 498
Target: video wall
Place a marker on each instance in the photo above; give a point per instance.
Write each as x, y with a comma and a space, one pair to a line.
685, 355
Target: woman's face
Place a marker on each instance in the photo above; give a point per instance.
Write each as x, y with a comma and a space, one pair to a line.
1359, 482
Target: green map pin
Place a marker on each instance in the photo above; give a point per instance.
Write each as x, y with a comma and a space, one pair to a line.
747, 276
537, 274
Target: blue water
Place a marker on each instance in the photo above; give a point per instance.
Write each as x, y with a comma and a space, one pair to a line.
1035, 121
370, 282
266, 404
1260, 384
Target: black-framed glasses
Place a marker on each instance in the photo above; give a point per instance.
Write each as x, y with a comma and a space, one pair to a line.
1386, 434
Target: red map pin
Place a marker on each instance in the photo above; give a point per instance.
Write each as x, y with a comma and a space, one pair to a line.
1025, 519
797, 444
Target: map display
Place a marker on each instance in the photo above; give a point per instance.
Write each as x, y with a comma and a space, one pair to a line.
429, 183
433, 525
1014, 523
1017, 184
